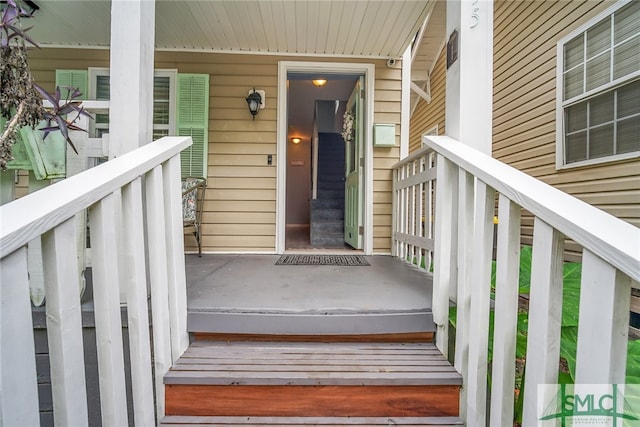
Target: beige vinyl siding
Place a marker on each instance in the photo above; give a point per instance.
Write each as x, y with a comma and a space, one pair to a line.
428, 115
240, 206
524, 113
386, 110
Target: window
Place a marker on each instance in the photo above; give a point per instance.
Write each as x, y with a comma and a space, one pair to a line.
186, 94
598, 96
164, 98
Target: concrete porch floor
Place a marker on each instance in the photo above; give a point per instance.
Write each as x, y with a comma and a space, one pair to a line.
250, 294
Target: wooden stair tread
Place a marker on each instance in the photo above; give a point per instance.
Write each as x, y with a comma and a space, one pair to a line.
254, 363
191, 421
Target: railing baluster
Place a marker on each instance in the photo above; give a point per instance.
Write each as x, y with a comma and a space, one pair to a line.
157, 245
429, 208
50, 213
506, 313
19, 392
446, 184
545, 316
420, 214
134, 281
106, 293
403, 213
175, 258
395, 203
64, 325
464, 256
603, 327
480, 304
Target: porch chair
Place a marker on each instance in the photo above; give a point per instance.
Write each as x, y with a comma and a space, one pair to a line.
193, 189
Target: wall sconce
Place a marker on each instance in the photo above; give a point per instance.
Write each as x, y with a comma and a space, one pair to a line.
296, 140
255, 101
319, 82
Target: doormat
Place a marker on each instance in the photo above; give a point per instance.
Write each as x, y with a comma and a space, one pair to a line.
338, 260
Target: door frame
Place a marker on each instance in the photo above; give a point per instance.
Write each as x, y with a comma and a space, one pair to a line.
368, 70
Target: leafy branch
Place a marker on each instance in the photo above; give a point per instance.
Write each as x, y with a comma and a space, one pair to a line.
20, 97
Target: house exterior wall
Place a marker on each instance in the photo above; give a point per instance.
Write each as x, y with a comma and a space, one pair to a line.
524, 107
428, 115
240, 207
524, 119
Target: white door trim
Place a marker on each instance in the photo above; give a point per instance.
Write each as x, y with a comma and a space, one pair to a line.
285, 67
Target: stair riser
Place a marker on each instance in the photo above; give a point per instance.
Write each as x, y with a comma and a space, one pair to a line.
327, 204
400, 338
335, 185
312, 401
328, 241
327, 214
330, 227
331, 195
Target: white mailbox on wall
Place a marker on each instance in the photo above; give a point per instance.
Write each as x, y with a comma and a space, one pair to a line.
384, 135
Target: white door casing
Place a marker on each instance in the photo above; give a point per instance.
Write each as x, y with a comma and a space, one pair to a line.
368, 71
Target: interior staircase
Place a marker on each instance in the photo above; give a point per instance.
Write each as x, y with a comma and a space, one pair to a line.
327, 210
270, 381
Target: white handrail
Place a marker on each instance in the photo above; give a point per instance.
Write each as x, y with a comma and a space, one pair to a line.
616, 241
413, 227
36, 213
467, 183
114, 194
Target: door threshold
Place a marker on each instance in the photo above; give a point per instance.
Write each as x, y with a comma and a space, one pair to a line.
323, 251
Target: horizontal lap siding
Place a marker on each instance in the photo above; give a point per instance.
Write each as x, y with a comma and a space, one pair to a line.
428, 115
524, 107
386, 110
240, 207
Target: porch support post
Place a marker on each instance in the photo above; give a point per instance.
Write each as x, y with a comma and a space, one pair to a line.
131, 75
405, 115
469, 92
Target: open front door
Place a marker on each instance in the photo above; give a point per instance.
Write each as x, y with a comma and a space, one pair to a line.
354, 158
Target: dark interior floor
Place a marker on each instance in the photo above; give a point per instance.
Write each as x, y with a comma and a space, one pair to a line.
298, 238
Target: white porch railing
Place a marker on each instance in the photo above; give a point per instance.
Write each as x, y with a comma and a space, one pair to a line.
466, 187
132, 220
413, 190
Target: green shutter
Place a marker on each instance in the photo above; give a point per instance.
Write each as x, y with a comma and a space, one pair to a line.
20, 158
193, 120
73, 78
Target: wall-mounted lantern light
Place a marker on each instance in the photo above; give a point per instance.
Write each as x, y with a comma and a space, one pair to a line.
255, 101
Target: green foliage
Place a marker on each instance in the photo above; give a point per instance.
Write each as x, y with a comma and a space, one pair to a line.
569, 326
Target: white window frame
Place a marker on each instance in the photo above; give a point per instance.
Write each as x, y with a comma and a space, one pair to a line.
562, 104
94, 72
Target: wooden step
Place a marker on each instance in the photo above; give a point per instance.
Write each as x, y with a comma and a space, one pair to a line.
275, 379
175, 421
410, 337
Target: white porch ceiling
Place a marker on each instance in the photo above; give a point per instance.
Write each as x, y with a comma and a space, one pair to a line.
354, 28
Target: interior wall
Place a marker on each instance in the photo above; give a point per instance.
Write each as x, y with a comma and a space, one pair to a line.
298, 182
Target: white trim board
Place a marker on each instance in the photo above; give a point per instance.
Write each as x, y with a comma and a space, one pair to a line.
368, 70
